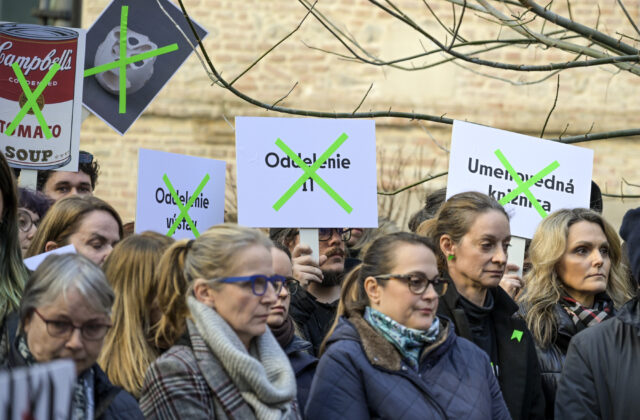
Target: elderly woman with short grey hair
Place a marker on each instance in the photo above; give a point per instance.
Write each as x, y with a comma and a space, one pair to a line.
65, 314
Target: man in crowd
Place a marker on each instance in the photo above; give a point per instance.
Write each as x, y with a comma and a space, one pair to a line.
314, 308
60, 184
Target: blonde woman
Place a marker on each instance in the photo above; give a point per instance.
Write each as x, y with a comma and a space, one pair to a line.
228, 364
129, 347
577, 281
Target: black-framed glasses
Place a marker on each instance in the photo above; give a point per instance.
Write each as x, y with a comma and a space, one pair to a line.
325, 234
92, 331
292, 285
419, 282
259, 282
25, 222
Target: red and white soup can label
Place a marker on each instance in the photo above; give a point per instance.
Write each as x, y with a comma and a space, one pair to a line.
36, 49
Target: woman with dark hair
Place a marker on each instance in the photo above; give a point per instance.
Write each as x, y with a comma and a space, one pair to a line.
577, 281
91, 225
473, 234
13, 273
32, 207
389, 355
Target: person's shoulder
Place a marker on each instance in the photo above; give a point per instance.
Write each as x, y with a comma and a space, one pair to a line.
596, 333
179, 358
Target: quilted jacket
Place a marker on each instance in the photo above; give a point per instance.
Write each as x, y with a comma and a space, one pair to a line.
361, 375
304, 366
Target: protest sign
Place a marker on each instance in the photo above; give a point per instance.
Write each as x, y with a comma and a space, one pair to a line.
305, 172
42, 391
41, 81
119, 84
32, 263
178, 195
531, 177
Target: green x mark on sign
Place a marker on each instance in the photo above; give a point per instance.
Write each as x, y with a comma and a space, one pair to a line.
124, 60
184, 209
310, 172
523, 187
32, 98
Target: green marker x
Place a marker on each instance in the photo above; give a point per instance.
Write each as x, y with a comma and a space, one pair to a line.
523, 187
32, 99
184, 209
310, 172
517, 335
124, 61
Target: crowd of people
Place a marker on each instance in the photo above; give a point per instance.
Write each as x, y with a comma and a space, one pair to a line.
385, 323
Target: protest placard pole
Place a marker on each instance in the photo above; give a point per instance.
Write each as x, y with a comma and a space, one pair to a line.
310, 237
516, 253
28, 178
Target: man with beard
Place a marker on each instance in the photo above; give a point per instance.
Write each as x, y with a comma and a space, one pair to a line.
314, 307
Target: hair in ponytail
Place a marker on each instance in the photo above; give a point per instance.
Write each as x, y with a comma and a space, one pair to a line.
379, 259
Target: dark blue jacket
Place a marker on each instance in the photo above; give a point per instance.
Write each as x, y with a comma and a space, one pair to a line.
303, 364
361, 375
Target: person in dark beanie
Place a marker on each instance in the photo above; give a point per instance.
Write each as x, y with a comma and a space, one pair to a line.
630, 232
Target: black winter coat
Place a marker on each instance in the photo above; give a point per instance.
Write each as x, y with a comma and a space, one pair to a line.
111, 402
601, 376
313, 318
551, 359
518, 370
362, 376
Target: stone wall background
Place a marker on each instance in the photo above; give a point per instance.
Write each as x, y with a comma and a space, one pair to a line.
193, 117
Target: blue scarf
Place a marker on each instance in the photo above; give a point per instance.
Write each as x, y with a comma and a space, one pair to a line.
408, 341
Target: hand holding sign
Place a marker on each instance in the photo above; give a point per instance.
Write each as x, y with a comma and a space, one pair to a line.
305, 267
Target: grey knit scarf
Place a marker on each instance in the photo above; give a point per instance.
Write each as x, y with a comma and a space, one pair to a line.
263, 374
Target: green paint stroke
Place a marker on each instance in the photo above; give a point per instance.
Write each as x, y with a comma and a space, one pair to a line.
123, 61
32, 98
517, 335
184, 209
122, 94
310, 172
523, 187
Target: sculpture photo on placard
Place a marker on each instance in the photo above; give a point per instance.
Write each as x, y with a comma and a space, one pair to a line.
155, 50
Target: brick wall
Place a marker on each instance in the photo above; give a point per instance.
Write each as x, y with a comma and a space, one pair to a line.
188, 116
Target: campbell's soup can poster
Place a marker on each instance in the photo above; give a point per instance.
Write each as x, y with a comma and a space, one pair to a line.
35, 49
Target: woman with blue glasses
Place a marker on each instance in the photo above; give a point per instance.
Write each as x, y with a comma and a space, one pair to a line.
227, 364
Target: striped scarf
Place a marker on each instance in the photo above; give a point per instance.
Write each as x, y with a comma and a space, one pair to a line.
586, 317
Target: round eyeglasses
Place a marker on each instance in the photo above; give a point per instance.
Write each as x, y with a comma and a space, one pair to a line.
91, 331
292, 285
418, 282
25, 222
259, 282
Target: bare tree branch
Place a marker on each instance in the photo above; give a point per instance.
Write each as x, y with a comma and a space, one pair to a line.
285, 96
363, 98
624, 9
422, 181
555, 101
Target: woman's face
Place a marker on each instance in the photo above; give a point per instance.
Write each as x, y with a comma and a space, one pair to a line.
281, 266
481, 255
396, 300
27, 220
584, 266
75, 309
96, 236
245, 312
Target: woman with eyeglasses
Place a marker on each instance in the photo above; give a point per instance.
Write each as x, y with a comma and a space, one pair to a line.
473, 234
32, 207
227, 364
390, 356
64, 314
284, 329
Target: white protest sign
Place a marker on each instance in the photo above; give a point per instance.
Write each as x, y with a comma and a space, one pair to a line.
337, 190
41, 391
32, 263
41, 81
178, 195
557, 175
